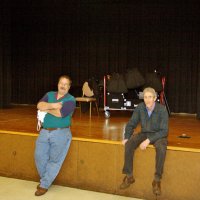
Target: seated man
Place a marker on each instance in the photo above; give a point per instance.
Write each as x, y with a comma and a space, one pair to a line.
154, 130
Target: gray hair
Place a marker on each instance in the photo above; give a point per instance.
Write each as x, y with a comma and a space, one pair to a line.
151, 90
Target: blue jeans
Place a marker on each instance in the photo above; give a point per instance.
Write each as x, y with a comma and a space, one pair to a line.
50, 152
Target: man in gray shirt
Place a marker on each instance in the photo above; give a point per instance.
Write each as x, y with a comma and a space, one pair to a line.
153, 118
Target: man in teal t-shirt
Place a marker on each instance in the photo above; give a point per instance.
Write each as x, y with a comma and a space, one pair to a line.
55, 136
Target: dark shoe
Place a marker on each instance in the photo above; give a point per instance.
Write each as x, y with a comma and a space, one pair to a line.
127, 181
38, 186
40, 191
156, 187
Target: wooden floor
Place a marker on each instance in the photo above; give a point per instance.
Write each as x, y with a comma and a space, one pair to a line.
98, 129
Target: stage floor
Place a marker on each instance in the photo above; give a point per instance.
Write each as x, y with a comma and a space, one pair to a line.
98, 128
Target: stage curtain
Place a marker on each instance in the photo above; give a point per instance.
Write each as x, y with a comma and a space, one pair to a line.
198, 88
5, 54
93, 38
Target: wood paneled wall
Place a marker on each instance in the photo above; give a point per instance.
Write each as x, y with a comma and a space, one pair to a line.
97, 166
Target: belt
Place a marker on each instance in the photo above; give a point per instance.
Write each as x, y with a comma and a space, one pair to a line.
53, 129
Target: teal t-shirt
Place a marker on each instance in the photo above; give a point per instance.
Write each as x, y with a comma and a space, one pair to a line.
69, 103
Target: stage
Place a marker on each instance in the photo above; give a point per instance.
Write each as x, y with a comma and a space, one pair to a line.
95, 158
23, 119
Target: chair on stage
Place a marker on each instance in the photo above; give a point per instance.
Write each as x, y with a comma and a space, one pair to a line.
88, 97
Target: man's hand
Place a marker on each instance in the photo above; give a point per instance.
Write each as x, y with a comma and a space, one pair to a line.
124, 141
144, 144
57, 105
45, 106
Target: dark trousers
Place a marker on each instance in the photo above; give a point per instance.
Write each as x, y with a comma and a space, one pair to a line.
132, 144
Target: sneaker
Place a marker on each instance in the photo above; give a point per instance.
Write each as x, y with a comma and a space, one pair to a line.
156, 186
127, 181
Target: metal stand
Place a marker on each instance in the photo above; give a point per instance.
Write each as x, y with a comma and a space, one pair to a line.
163, 99
166, 104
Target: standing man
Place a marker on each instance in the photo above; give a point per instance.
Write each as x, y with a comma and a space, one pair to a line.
154, 130
55, 136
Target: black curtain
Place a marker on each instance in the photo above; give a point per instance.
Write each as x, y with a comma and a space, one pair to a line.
5, 54
95, 37
198, 88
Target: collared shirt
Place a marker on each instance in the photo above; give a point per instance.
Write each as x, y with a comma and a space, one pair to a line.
155, 126
150, 111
